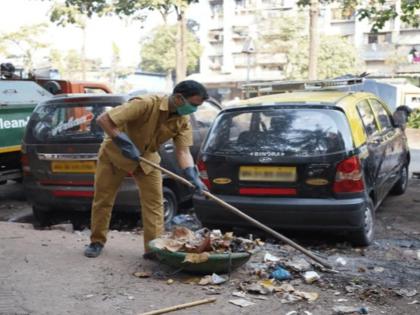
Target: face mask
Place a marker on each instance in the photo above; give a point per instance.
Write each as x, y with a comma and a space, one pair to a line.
186, 109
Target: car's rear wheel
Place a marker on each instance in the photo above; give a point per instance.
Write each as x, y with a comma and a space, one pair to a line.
364, 236
41, 215
401, 186
170, 205
2, 182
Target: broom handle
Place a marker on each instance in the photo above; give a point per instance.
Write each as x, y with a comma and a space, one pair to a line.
242, 215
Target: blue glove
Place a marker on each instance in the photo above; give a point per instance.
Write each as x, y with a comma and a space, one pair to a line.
191, 174
127, 147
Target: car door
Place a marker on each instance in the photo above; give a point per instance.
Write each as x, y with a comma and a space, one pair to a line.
201, 121
375, 169
395, 145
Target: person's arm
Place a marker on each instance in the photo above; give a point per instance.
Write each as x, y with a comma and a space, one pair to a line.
105, 122
186, 162
184, 157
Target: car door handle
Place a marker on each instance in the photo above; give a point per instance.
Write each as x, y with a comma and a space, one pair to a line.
169, 147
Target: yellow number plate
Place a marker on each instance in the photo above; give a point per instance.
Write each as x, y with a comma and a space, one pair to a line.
267, 173
73, 167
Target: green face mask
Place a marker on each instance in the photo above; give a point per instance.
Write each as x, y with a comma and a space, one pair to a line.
186, 108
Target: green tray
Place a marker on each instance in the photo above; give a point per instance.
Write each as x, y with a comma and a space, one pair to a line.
218, 263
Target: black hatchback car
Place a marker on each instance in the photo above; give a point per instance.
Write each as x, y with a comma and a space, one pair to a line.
60, 148
304, 160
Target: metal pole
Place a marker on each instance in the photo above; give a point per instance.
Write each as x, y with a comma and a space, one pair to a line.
248, 69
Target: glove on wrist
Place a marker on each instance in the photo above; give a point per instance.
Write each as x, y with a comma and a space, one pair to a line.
191, 174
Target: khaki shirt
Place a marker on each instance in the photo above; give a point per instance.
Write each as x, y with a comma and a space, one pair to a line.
147, 123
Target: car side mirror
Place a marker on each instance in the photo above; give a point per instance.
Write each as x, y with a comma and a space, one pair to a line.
401, 115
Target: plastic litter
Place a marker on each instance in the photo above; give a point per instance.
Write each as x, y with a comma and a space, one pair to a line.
298, 264
342, 310
281, 274
270, 258
406, 292
311, 277
241, 302
213, 279
189, 221
341, 261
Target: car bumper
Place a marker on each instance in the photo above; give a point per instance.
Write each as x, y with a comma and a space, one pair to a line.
78, 198
293, 213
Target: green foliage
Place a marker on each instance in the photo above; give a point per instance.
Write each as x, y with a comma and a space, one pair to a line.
70, 64
63, 15
337, 56
158, 51
378, 12
26, 40
414, 120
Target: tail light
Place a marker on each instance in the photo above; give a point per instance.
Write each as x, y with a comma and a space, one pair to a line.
349, 177
24, 160
202, 169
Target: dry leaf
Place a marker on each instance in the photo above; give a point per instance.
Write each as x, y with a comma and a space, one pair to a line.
310, 296
196, 258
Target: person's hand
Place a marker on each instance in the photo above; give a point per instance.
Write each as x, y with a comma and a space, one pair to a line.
127, 147
191, 174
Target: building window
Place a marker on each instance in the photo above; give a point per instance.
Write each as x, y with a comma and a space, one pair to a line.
379, 38
340, 14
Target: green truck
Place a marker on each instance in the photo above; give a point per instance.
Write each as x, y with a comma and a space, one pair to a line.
18, 98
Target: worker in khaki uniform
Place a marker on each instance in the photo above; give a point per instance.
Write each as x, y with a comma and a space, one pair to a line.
138, 128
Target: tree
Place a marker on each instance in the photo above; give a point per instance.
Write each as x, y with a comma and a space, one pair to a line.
135, 8
336, 57
26, 40
70, 64
64, 15
377, 11
158, 51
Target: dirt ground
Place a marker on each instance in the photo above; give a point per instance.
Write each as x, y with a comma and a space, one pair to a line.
44, 272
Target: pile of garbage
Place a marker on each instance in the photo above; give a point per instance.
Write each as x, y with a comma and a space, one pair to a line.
182, 239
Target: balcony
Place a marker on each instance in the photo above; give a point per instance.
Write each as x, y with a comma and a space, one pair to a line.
409, 68
380, 52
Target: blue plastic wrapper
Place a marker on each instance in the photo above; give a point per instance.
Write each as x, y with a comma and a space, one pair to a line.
281, 274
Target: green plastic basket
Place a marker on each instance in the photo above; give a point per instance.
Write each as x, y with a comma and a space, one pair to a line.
217, 263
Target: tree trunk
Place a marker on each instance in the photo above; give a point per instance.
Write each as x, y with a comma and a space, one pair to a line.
313, 39
181, 52
83, 53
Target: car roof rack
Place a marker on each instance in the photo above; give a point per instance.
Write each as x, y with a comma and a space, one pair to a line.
275, 87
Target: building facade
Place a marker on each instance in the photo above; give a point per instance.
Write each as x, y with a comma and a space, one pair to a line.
229, 30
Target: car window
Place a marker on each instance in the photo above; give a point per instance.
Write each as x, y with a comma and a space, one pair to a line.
280, 132
381, 114
368, 118
66, 122
204, 116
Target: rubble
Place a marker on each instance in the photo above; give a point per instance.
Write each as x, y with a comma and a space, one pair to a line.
182, 239
298, 264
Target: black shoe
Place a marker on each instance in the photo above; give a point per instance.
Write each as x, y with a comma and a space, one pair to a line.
150, 256
93, 250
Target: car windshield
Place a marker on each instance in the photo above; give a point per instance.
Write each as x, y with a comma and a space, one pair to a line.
280, 132
66, 122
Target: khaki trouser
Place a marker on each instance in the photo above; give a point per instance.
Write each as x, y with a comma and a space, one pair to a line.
108, 179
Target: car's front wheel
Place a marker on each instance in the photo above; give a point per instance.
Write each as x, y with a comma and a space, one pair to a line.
364, 236
401, 186
170, 205
41, 215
